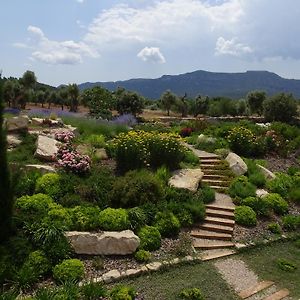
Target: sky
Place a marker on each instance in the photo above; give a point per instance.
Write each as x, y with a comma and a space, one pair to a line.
75, 41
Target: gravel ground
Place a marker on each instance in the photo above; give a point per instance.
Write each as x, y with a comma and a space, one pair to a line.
279, 164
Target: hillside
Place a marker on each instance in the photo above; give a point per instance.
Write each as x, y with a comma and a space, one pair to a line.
234, 85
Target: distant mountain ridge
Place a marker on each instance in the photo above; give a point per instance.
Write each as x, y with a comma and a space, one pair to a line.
234, 85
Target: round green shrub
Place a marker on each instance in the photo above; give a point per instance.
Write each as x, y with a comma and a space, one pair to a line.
207, 194
291, 222
60, 216
85, 218
150, 238
274, 228
258, 179
260, 205
294, 195
142, 255
26, 183
180, 211
241, 188
167, 223
114, 219
191, 294
135, 189
49, 184
281, 184
137, 218
277, 203
245, 215
122, 292
196, 209
68, 270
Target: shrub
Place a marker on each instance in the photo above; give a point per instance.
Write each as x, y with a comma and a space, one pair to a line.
167, 224
85, 218
291, 222
186, 131
60, 216
286, 265
258, 179
207, 194
241, 188
294, 195
137, 218
281, 184
196, 208
114, 219
184, 245
181, 212
150, 238
277, 203
49, 184
136, 188
274, 228
245, 215
64, 136
191, 158
96, 140
122, 292
163, 174
260, 205
98, 263
26, 183
191, 294
68, 270
93, 291
142, 255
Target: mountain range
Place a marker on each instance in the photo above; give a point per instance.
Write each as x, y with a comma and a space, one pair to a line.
233, 85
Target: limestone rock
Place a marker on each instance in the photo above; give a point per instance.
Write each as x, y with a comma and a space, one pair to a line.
154, 266
37, 121
236, 164
101, 154
72, 129
267, 173
46, 148
261, 193
13, 140
111, 276
186, 179
106, 243
42, 168
17, 124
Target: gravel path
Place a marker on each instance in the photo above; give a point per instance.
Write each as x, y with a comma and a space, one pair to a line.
236, 273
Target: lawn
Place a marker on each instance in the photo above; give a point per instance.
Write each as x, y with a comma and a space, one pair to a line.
166, 285
263, 262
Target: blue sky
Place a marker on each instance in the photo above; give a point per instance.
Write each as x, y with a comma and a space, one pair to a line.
66, 41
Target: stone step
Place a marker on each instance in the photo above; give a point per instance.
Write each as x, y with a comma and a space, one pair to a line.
211, 171
204, 234
214, 254
206, 166
216, 228
219, 221
255, 289
219, 214
215, 177
211, 161
220, 207
278, 295
215, 182
211, 244
220, 189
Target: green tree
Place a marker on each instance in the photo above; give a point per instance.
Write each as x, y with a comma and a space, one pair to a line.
200, 105
28, 81
255, 101
281, 107
52, 98
182, 105
73, 93
6, 195
167, 100
129, 103
40, 94
62, 97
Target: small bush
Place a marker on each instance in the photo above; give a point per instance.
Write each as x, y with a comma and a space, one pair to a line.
167, 223
258, 179
191, 159
68, 270
114, 219
150, 238
96, 140
142, 255
286, 265
163, 174
277, 203
93, 291
281, 184
122, 292
137, 218
49, 184
191, 294
274, 228
181, 212
98, 263
245, 215
241, 188
85, 218
291, 222
136, 188
260, 205
207, 194
184, 245
294, 195
26, 183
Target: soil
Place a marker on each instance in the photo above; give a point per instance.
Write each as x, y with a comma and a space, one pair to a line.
279, 164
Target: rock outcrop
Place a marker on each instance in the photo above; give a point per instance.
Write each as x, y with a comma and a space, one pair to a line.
17, 124
46, 148
236, 164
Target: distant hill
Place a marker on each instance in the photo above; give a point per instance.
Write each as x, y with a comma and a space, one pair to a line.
234, 85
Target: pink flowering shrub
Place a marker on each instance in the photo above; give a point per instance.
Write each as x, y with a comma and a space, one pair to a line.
71, 160
64, 136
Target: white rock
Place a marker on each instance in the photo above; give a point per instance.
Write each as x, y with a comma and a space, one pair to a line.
155, 266
236, 164
13, 140
17, 124
133, 272
186, 179
261, 193
72, 129
106, 243
267, 173
42, 168
37, 121
111, 276
46, 148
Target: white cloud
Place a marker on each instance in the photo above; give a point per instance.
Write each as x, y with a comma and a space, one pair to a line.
80, 1
55, 52
231, 47
21, 45
151, 54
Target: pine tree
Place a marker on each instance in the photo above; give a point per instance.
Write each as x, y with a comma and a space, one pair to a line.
6, 195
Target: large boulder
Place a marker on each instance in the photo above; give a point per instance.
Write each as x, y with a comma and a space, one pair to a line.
186, 179
105, 243
46, 148
267, 173
17, 124
236, 164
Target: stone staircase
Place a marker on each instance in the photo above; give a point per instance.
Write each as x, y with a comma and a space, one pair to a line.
264, 290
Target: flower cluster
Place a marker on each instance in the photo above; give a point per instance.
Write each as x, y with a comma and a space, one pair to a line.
186, 131
138, 149
71, 160
64, 136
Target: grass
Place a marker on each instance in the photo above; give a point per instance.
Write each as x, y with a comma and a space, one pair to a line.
263, 261
166, 285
